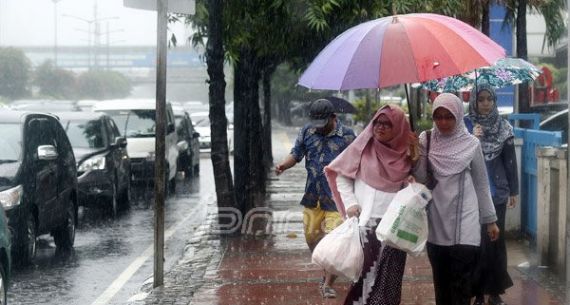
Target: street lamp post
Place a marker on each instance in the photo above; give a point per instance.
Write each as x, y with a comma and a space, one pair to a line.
90, 23
108, 32
55, 31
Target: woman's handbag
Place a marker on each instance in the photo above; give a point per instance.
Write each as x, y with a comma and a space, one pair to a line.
405, 225
340, 251
431, 181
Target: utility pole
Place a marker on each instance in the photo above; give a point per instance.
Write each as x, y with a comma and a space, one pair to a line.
161, 6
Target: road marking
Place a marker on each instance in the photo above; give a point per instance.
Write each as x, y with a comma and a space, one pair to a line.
126, 275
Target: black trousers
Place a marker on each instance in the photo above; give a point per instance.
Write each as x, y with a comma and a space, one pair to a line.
493, 259
454, 271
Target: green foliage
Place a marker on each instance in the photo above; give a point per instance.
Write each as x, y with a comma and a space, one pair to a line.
551, 10
99, 85
54, 82
424, 124
362, 115
14, 73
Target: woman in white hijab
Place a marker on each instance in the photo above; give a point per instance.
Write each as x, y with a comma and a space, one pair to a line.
461, 201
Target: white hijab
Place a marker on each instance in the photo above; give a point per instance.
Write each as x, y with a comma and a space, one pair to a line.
450, 154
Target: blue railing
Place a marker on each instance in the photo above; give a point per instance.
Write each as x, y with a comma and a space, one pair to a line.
532, 138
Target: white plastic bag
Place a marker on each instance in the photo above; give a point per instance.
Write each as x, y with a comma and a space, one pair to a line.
340, 251
405, 225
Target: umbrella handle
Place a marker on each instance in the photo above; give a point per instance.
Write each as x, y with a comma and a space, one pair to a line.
411, 113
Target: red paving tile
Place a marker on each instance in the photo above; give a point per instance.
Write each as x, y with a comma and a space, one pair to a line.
258, 272
269, 294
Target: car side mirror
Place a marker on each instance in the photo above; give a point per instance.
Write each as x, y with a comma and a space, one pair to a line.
121, 142
47, 152
170, 128
195, 135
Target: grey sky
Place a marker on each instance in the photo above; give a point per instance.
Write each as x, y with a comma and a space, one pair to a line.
31, 22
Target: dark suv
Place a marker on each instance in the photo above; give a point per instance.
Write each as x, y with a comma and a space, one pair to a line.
103, 165
38, 181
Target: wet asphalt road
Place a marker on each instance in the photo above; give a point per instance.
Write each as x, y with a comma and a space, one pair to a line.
104, 266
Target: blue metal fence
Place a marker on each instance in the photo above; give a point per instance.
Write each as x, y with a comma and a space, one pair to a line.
532, 138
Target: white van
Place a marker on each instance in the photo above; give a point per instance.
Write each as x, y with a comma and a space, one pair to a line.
135, 119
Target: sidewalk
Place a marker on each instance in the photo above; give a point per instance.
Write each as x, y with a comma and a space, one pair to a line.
276, 268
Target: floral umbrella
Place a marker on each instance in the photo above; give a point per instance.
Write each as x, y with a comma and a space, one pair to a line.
505, 72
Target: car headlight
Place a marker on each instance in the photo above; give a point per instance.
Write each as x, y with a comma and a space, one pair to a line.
12, 197
93, 163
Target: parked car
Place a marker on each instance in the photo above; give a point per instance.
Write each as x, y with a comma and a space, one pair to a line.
135, 119
195, 106
5, 258
103, 165
38, 181
85, 105
44, 105
557, 122
188, 143
202, 125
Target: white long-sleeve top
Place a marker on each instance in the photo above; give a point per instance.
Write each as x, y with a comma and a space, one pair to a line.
373, 203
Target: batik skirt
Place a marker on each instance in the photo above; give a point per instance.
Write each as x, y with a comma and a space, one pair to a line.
382, 272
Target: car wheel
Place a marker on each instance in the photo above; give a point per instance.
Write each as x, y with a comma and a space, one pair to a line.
126, 196
3, 286
64, 236
197, 169
113, 203
188, 168
30, 242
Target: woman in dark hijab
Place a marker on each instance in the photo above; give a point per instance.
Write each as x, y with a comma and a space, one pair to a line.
497, 141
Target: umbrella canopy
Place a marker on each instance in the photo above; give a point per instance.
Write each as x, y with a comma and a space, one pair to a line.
505, 72
340, 106
400, 49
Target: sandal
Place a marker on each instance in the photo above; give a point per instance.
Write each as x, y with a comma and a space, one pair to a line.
328, 292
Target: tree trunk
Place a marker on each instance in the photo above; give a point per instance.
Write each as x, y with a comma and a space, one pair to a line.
215, 60
485, 26
248, 156
284, 111
522, 52
267, 105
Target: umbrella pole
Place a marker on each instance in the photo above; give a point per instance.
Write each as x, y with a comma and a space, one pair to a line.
410, 111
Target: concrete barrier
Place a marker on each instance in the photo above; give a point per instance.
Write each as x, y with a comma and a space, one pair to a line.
552, 208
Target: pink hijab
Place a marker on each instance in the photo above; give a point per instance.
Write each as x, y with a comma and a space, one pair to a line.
385, 167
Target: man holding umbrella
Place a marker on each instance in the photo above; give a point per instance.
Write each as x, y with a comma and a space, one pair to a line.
319, 142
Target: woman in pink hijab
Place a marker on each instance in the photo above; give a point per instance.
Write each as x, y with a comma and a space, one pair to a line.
364, 178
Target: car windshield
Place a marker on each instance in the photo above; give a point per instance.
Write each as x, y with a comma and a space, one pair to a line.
85, 134
10, 143
134, 123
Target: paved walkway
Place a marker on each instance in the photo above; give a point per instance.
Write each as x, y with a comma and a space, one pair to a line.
276, 268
